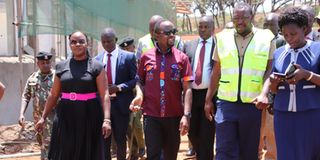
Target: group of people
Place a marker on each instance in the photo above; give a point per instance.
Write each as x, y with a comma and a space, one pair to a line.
219, 87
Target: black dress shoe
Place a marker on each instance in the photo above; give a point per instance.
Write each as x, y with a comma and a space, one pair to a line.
190, 152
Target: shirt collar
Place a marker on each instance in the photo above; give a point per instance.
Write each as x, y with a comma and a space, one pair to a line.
209, 40
39, 74
114, 52
287, 47
159, 51
253, 30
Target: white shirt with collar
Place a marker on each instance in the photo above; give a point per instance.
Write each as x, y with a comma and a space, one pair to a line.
206, 66
114, 58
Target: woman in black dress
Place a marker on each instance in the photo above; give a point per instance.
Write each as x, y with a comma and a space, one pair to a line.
83, 112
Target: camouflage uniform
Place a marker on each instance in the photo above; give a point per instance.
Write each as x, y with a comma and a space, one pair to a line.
38, 87
135, 135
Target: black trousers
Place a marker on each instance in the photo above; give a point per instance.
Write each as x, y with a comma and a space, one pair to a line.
162, 135
201, 132
119, 125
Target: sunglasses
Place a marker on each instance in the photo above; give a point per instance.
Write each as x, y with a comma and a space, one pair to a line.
81, 42
169, 32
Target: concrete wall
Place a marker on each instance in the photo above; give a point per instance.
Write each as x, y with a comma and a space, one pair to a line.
10, 77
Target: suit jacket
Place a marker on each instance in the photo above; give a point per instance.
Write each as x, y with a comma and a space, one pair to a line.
125, 77
190, 49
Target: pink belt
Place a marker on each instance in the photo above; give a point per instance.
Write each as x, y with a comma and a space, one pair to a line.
78, 96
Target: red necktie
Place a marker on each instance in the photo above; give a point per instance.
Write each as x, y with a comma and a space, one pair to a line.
198, 78
109, 72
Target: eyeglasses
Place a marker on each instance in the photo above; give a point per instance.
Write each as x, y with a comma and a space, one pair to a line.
81, 42
169, 32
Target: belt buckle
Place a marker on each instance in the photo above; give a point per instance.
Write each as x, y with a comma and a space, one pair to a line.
73, 96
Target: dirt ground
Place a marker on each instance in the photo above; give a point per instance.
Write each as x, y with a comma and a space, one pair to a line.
14, 139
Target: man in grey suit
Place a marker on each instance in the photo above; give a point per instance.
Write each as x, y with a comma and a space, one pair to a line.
121, 71
199, 51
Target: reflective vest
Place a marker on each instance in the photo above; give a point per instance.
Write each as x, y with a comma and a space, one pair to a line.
147, 42
245, 81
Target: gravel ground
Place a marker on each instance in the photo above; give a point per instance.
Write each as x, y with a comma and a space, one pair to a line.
15, 140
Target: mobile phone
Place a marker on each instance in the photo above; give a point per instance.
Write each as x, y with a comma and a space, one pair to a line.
290, 69
281, 75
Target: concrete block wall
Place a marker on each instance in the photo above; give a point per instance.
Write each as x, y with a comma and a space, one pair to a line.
10, 77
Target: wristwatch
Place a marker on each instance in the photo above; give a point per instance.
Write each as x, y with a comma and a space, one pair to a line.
188, 114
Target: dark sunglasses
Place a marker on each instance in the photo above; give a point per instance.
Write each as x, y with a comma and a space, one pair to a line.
169, 32
81, 42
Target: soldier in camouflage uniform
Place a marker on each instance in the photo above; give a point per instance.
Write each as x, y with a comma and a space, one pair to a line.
136, 142
38, 87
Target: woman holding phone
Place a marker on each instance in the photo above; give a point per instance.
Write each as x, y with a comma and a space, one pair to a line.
296, 102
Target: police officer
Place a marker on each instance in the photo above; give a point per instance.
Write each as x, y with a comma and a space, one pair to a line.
38, 87
135, 130
127, 44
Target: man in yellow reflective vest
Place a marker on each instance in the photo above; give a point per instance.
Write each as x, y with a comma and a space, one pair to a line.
147, 42
242, 61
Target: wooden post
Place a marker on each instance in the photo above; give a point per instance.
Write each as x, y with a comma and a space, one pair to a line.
34, 38
20, 41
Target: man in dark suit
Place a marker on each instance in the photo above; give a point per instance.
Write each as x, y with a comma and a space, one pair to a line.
121, 71
199, 51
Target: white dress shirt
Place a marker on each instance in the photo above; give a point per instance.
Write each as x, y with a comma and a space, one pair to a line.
206, 72
113, 59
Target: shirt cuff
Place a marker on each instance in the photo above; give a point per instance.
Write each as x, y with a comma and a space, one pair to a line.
188, 78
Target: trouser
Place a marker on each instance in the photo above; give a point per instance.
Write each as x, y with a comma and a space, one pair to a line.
44, 137
237, 131
113, 145
119, 126
107, 146
162, 136
201, 132
135, 133
267, 145
297, 134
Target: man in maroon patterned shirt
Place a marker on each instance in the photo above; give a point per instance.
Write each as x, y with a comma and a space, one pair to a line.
164, 73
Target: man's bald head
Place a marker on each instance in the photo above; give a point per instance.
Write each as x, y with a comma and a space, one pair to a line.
108, 32
311, 14
152, 22
271, 22
207, 19
309, 9
109, 39
206, 27
272, 17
